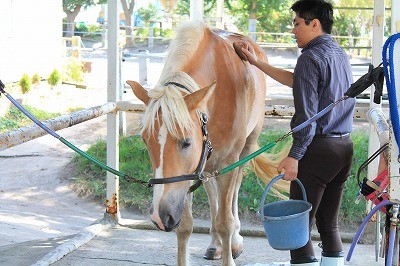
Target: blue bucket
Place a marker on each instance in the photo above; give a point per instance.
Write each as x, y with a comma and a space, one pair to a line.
286, 222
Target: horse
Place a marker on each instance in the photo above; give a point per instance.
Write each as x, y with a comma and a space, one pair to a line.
206, 100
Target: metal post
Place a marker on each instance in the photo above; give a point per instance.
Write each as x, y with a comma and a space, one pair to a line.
151, 37
377, 39
143, 63
112, 206
220, 14
121, 115
196, 10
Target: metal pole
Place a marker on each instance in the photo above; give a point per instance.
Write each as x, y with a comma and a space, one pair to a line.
112, 206
143, 63
121, 115
196, 10
377, 43
220, 14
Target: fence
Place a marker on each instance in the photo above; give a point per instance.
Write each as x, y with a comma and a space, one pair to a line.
281, 107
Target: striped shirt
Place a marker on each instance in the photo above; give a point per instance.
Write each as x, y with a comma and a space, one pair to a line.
322, 75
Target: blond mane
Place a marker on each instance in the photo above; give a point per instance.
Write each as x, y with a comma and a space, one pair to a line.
169, 99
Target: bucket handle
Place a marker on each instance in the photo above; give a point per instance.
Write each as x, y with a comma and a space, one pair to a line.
270, 184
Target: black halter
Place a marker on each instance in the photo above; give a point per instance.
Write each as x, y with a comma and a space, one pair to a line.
206, 153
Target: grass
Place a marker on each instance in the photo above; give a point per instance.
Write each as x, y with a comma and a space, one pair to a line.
134, 161
15, 118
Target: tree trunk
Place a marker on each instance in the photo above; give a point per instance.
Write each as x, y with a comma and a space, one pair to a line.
71, 16
128, 11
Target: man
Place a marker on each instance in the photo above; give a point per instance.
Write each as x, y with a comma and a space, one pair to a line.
321, 154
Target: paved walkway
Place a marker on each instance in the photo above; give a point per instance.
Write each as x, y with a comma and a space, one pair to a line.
137, 243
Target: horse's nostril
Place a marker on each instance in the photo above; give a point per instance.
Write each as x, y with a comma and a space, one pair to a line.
169, 223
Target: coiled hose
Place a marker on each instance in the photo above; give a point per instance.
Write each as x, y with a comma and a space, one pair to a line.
389, 71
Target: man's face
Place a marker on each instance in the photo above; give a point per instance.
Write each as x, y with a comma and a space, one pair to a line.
303, 31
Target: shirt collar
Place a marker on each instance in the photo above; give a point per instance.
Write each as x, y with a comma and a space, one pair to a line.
317, 40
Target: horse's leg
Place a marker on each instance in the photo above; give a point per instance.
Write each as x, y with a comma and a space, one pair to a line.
214, 250
184, 231
225, 223
237, 239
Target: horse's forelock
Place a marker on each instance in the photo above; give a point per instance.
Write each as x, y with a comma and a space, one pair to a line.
168, 102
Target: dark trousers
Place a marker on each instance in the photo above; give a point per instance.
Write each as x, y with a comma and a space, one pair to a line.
323, 171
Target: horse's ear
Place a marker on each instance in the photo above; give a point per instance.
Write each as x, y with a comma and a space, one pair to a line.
139, 91
200, 98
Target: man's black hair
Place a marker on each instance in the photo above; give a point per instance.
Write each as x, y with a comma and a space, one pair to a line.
315, 9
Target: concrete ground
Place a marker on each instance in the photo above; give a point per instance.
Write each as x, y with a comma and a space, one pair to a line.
137, 243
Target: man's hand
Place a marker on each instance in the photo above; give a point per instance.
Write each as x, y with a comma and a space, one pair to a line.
289, 166
248, 51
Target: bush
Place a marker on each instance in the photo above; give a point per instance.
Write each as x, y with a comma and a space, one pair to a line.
25, 83
36, 79
54, 78
73, 71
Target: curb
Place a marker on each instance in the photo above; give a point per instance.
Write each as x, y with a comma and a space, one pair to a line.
74, 243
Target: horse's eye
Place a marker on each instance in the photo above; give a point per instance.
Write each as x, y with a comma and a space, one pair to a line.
185, 144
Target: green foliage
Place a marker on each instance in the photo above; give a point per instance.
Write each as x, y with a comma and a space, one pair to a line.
25, 83
149, 14
73, 70
15, 118
73, 4
134, 161
54, 78
36, 78
350, 211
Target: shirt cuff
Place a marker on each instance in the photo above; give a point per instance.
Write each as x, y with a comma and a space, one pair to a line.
297, 152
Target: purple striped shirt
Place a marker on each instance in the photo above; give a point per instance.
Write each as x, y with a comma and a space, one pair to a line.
322, 75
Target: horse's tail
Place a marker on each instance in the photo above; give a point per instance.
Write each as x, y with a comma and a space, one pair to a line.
265, 167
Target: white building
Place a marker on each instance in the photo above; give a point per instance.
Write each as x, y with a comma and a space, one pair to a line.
30, 38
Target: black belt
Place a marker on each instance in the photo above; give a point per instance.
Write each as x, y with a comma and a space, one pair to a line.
333, 135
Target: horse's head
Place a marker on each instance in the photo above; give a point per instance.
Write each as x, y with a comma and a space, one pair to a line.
173, 133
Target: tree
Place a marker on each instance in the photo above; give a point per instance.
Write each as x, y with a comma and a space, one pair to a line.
72, 9
148, 14
128, 7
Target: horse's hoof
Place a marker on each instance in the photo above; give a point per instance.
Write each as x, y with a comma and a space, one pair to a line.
236, 254
213, 254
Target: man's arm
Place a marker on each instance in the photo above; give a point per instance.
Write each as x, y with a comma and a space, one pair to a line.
281, 75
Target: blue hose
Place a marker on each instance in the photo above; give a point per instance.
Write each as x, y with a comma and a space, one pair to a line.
363, 224
388, 69
317, 116
392, 237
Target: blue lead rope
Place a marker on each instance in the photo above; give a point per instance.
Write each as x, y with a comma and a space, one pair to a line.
388, 69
